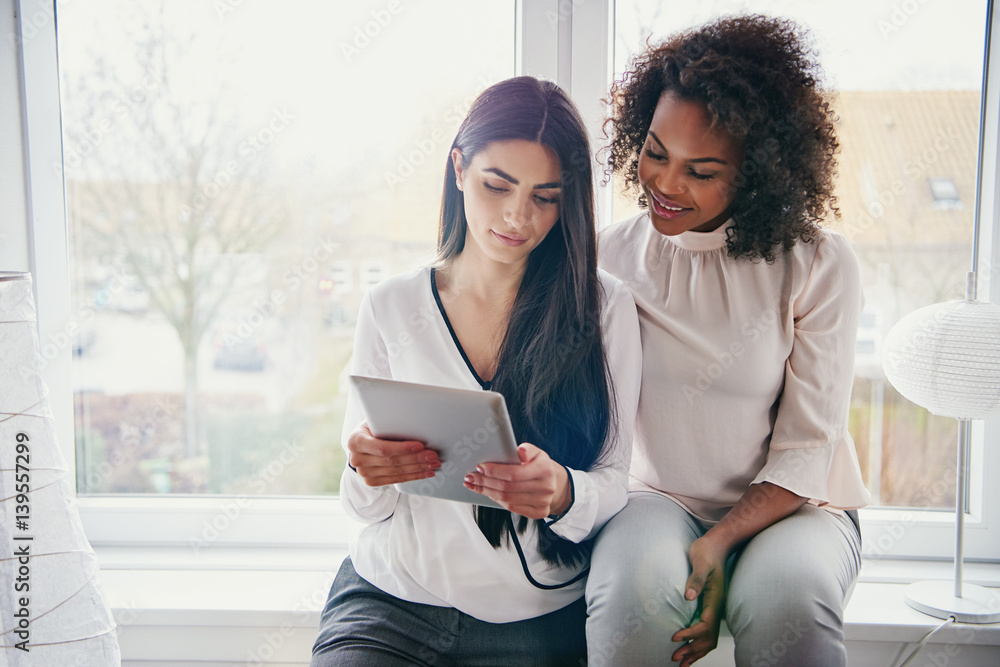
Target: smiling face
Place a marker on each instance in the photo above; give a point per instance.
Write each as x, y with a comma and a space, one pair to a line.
687, 169
511, 191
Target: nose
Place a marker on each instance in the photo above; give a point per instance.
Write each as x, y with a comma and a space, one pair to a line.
669, 179
518, 213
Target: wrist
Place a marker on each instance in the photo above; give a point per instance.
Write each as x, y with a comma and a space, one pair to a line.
564, 493
716, 539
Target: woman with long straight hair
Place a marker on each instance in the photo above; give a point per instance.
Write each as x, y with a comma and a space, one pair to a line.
515, 304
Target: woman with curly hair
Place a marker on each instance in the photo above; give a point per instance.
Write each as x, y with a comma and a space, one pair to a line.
742, 468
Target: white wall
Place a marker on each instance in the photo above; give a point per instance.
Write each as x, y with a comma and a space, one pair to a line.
13, 201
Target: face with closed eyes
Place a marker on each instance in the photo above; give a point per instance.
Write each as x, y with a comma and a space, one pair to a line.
687, 169
511, 191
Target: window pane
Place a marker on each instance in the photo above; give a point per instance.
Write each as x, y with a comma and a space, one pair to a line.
909, 121
238, 174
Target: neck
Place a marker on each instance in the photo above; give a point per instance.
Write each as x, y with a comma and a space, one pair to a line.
483, 279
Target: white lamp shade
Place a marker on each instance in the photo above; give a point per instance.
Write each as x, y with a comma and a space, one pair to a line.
58, 614
946, 358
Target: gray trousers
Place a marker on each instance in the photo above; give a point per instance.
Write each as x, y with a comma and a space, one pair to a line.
363, 626
785, 600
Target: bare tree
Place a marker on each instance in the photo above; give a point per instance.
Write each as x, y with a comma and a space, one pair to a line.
168, 185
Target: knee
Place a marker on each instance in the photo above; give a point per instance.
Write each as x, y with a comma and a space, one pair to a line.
638, 587
629, 623
776, 620
788, 598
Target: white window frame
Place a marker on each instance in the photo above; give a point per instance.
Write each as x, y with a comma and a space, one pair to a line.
569, 41
903, 533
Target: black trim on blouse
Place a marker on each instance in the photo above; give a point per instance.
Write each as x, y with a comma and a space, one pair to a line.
485, 384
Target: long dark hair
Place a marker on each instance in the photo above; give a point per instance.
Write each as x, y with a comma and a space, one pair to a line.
551, 368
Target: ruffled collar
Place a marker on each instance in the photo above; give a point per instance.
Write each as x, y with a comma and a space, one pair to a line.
700, 241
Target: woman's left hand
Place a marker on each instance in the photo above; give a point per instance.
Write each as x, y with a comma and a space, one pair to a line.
708, 579
537, 488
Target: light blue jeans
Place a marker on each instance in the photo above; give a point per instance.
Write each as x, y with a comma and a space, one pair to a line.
786, 594
363, 626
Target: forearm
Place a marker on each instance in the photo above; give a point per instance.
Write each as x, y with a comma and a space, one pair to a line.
761, 506
364, 503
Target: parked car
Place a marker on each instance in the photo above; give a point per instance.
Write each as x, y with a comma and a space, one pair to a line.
236, 348
133, 299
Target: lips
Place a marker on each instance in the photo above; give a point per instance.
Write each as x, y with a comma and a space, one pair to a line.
666, 208
512, 241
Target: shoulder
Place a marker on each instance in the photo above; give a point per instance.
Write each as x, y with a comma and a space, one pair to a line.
829, 254
623, 240
405, 287
612, 288
624, 229
392, 301
834, 246
826, 270
616, 299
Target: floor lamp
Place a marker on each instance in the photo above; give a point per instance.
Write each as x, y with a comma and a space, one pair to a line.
52, 608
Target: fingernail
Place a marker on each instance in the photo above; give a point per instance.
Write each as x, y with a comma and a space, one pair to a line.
469, 479
691, 594
481, 470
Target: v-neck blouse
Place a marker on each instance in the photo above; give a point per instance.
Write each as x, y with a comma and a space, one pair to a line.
431, 551
485, 384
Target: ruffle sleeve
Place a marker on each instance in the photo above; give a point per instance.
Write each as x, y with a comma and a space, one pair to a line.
811, 452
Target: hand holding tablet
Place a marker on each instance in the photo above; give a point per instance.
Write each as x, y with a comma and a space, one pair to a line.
465, 428
382, 462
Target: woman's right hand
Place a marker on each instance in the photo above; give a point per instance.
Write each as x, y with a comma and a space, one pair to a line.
381, 462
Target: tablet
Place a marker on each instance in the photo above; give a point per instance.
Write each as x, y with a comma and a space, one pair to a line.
465, 427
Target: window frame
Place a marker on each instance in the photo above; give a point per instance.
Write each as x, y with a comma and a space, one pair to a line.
570, 42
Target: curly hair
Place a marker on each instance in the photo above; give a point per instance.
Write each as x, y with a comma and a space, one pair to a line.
760, 83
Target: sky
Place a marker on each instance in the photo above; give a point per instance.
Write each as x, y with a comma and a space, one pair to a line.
373, 80
863, 44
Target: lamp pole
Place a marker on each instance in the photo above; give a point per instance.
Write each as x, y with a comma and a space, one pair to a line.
964, 438
964, 433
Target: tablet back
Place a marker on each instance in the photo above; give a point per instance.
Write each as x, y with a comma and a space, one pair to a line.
465, 427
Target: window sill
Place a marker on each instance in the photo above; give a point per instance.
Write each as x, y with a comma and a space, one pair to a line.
229, 605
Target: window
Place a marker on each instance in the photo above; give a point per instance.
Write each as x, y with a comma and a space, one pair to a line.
944, 192
244, 178
360, 215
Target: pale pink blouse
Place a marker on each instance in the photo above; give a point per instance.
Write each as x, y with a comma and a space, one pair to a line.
747, 367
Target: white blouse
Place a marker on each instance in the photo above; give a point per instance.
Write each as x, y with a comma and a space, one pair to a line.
431, 551
747, 367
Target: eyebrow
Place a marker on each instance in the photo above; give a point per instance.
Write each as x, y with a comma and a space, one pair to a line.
697, 159
507, 177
